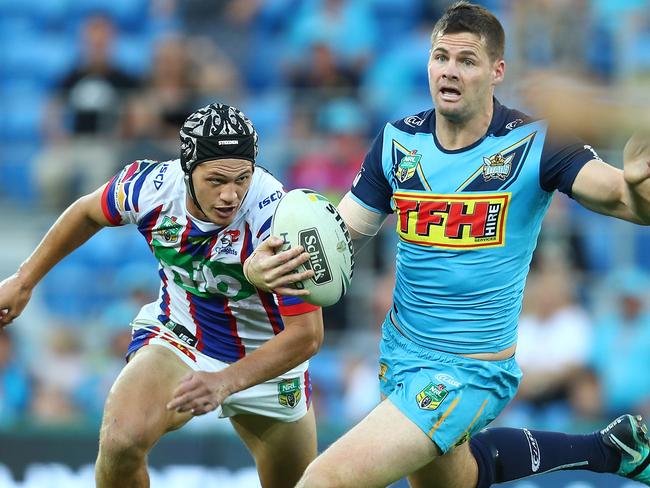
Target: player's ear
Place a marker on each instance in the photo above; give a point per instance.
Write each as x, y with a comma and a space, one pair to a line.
498, 71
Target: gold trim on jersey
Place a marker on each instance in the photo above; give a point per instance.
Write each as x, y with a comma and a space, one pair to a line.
499, 164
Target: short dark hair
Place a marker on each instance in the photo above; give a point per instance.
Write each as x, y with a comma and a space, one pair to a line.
468, 17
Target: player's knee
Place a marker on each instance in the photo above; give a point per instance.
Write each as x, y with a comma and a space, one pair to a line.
487, 459
119, 443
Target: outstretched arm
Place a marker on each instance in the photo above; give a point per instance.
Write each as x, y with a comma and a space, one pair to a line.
624, 194
75, 226
201, 392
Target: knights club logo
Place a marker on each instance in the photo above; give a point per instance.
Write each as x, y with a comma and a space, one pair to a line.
407, 166
226, 241
497, 166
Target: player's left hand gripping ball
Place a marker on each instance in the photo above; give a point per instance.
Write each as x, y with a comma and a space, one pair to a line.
308, 219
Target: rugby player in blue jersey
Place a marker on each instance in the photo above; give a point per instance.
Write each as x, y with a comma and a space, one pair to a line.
470, 183
211, 341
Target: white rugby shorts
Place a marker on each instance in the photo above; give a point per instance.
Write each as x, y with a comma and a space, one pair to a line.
286, 397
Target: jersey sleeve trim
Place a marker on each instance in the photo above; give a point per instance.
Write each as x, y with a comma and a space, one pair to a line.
296, 309
265, 226
108, 203
365, 205
371, 185
561, 160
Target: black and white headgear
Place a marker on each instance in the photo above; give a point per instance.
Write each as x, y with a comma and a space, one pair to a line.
216, 131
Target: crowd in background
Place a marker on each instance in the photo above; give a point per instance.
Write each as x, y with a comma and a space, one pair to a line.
88, 86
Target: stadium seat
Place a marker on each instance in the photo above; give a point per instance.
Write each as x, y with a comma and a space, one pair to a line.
16, 166
24, 104
394, 23
43, 57
133, 54
642, 246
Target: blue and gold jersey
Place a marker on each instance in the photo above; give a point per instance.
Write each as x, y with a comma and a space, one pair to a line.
467, 221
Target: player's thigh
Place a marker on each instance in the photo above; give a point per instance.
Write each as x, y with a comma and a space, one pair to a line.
455, 469
136, 404
382, 448
282, 450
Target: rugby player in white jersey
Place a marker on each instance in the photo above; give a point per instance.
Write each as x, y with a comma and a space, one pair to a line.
211, 341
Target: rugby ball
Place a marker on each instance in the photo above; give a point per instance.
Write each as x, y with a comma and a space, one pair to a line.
308, 219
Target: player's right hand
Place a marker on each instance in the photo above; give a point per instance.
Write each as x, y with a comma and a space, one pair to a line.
14, 295
269, 271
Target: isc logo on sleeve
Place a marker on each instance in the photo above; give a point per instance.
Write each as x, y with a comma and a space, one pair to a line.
458, 221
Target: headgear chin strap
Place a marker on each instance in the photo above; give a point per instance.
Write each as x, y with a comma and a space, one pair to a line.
216, 131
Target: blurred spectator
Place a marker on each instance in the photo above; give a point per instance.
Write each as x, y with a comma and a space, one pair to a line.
554, 334
107, 364
60, 374
360, 394
112, 336
168, 96
545, 32
585, 399
93, 92
559, 239
331, 165
15, 384
320, 79
226, 22
620, 353
361, 353
347, 27
618, 45
52, 407
86, 111
185, 72
400, 71
62, 364
214, 74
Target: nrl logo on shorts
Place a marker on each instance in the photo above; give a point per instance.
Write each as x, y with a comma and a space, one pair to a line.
432, 396
407, 166
169, 229
289, 392
497, 167
383, 369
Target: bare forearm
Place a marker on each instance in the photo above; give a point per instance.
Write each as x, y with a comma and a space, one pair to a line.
277, 356
71, 230
359, 240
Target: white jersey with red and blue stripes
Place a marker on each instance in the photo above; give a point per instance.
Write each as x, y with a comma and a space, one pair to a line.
203, 287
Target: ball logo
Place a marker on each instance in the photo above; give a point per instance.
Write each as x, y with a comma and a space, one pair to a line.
311, 241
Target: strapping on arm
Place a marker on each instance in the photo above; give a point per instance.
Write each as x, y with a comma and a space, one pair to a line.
362, 223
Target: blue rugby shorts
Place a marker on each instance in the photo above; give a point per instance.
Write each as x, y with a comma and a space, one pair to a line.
449, 397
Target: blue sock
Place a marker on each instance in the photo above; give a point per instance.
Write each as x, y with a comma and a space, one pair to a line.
510, 454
